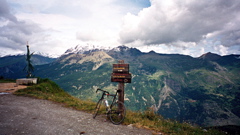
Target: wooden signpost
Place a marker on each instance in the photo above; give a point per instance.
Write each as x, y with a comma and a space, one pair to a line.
121, 75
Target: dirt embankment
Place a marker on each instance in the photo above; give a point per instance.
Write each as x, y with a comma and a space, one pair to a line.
29, 116
10, 87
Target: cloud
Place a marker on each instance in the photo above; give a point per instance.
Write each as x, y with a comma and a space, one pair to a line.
14, 34
91, 35
44, 32
222, 49
173, 21
102, 20
5, 12
17, 32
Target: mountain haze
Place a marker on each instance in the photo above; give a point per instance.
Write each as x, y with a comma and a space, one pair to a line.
203, 91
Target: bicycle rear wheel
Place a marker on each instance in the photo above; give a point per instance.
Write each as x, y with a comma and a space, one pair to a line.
97, 108
117, 116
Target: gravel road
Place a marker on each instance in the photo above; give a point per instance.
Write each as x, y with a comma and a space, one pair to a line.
24, 115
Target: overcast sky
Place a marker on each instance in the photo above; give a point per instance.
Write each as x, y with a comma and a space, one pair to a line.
190, 27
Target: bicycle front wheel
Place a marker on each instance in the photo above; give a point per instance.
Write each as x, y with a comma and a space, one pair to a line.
97, 108
117, 113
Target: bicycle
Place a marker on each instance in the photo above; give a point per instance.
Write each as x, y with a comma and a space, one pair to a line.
115, 114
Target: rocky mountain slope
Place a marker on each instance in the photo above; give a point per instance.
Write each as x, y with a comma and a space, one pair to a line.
203, 91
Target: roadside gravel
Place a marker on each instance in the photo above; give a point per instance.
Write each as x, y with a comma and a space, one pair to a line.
24, 115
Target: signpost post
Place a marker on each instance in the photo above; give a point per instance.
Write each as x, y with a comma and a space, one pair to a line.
121, 75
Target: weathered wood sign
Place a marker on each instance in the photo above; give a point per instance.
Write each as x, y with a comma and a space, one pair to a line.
121, 73
119, 77
120, 68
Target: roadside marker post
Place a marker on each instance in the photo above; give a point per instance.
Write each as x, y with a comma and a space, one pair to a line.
121, 75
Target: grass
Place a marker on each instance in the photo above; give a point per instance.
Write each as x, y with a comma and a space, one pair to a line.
2, 80
149, 120
47, 89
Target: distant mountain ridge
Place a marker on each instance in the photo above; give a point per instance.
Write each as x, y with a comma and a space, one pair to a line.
203, 90
35, 53
12, 66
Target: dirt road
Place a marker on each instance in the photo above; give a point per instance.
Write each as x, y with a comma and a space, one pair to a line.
29, 116
10, 87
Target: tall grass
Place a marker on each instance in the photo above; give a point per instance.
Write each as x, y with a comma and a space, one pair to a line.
47, 89
149, 120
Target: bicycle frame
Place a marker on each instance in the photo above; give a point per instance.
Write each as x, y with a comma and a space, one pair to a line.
115, 113
104, 93
114, 98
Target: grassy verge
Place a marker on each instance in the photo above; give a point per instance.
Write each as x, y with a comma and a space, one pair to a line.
157, 123
49, 90
6, 80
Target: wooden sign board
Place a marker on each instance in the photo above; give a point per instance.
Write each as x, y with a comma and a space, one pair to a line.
120, 68
119, 77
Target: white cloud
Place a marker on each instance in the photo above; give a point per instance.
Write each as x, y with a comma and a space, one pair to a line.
222, 49
174, 21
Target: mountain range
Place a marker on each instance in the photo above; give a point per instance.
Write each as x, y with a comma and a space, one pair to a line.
203, 91
12, 66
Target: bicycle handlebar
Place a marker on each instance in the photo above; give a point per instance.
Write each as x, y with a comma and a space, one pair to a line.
102, 91
107, 93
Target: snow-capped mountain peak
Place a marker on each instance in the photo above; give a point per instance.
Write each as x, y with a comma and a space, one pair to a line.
121, 48
81, 49
34, 53
45, 54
